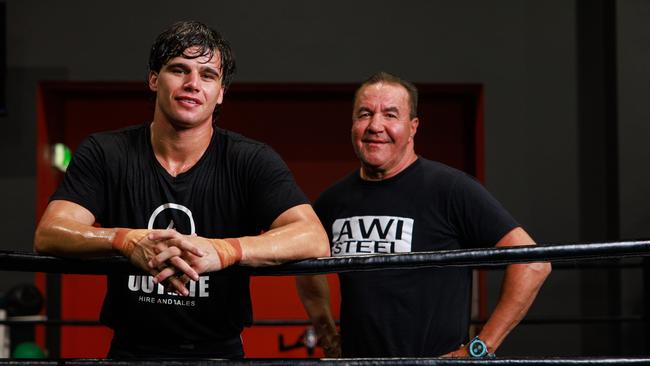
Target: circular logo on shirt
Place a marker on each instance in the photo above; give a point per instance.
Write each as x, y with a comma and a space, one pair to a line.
172, 216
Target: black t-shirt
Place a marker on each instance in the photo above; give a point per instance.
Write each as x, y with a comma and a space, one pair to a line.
427, 207
237, 188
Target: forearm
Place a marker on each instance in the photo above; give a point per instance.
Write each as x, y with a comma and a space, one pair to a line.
295, 234
65, 237
314, 294
520, 286
298, 239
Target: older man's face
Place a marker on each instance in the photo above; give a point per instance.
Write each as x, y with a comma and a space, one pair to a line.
382, 130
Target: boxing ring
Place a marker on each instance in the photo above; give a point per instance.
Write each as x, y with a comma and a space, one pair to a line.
340, 362
476, 258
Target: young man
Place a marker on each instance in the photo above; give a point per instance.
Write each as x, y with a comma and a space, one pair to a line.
397, 203
180, 197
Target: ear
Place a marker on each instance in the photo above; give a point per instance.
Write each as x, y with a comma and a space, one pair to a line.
414, 126
153, 81
222, 91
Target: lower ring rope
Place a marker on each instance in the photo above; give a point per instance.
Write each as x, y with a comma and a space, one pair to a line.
342, 362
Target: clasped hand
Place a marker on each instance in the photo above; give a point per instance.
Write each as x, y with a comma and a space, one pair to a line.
173, 258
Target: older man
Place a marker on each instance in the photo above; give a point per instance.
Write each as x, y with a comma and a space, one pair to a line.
399, 202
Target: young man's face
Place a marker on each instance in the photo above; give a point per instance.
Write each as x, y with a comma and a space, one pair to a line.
188, 89
382, 130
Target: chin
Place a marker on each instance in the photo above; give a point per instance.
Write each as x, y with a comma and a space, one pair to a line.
181, 123
186, 123
372, 166
373, 161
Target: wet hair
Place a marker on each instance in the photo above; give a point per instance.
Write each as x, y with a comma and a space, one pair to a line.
384, 77
180, 36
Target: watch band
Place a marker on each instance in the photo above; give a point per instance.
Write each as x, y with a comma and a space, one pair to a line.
478, 349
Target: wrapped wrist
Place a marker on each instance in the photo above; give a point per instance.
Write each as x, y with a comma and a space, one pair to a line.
119, 239
229, 251
124, 240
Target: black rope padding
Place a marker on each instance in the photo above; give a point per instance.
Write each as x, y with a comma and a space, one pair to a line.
28, 262
339, 362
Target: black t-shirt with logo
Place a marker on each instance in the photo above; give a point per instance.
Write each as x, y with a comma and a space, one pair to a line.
427, 207
237, 188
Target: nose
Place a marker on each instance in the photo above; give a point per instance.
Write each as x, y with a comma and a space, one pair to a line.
191, 82
376, 124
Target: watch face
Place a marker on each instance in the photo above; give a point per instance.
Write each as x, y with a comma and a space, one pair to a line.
477, 348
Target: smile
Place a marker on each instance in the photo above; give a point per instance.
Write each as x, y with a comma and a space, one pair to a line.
188, 100
374, 142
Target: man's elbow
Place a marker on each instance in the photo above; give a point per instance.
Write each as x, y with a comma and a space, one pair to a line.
541, 270
40, 244
45, 239
321, 246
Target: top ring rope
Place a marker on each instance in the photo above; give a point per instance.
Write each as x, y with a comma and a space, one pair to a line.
29, 262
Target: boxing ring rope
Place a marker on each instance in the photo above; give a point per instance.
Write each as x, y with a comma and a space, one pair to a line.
484, 257
30, 262
603, 361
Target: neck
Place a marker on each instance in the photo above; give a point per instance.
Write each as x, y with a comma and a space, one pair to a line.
178, 150
372, 173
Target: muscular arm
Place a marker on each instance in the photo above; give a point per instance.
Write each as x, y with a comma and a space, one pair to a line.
518, 291
295, 234
66, 229
315, 296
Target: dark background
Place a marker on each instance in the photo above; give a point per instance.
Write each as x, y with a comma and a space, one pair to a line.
566, 84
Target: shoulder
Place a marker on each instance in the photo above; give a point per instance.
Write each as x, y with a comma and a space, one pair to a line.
243, 155
340, 188
126, 136
438, 169
111, 144
237, 143
442, 175
239, 148
122, 133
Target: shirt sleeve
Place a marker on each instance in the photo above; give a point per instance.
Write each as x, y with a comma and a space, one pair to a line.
83, 182
272, 187
479, 218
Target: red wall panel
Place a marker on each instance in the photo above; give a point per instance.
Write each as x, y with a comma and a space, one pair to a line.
308, 125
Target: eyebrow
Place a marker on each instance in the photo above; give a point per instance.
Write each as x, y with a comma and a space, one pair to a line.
208, 68
391, 109
177, 64
202, 68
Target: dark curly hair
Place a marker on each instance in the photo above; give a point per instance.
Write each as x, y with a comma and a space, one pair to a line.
182, 35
